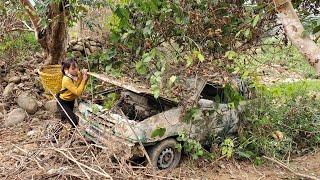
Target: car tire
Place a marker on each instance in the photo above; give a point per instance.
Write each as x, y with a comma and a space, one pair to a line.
165, 155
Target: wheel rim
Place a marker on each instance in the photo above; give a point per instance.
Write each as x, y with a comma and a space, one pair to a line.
166, 158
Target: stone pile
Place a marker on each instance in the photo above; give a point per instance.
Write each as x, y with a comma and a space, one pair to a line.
85, 46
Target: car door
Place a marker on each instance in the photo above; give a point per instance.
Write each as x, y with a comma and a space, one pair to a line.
219, 117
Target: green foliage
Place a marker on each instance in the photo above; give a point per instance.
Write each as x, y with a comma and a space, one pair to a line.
192, 147
95, 108
110, 99
25, 41
159, 131
227, 148
198, 31
155, 81
191, 114
21, 44
283, 120
272, 52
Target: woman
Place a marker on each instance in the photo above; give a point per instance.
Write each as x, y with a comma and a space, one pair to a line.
73, 84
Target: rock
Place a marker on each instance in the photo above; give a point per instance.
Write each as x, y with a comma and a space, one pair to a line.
8, 90
38, 55
40, 104
6, 79
93, 43
32, 133
15, 79
21, 69
38, 84
99, 44
14, 117
93, 49
25, 78
87, 45
77, 53
87, 51
27, 103
40, 60
73, 42
81, 42
51, 106
2, 107
77, 48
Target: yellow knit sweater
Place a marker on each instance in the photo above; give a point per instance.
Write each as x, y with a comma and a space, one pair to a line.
73, 88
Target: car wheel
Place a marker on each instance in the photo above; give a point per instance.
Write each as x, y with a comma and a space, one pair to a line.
165, 155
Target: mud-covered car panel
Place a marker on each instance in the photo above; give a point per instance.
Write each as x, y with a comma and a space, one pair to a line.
137, 114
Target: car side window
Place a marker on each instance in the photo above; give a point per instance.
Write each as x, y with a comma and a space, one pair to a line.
213, 92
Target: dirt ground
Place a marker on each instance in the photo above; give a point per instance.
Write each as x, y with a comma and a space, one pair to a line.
18, 143
307, 165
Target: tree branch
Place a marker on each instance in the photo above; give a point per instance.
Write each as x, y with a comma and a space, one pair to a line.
291, 170
295, 32
32, 15
30, 28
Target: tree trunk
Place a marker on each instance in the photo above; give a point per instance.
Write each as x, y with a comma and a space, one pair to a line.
56, 35
53, 39
295, 32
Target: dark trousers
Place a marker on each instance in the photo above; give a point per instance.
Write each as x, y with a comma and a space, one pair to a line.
68, 107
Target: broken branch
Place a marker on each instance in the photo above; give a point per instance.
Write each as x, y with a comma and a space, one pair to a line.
83, 165
289, 169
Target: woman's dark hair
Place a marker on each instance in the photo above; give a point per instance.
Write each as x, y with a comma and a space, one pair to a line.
67, 63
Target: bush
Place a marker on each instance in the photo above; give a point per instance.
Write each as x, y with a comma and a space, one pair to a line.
283, 120
18, 44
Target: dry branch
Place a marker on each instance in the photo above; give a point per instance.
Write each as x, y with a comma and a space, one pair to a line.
83, 165
291, 170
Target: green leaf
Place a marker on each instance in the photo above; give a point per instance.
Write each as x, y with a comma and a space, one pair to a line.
304, 34
200, 152
172, 80
141, 68
245, 154
239, 33
108, 68
194, 156
147, 59
147, 29
316, 29
247, 34
255, 20
178, 146
156, 92
189, 60
231, 55
116, 73
200, 57
159, 131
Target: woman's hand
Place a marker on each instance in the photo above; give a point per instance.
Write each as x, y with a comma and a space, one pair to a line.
85, 75
84, 71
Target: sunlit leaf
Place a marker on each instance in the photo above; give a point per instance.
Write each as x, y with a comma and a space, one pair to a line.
159, 131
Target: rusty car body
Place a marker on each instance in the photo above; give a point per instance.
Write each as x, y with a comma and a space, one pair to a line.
137, 114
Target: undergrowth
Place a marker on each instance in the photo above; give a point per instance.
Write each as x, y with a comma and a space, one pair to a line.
282, 121
16, 47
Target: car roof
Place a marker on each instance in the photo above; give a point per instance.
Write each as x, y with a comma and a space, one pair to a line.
195, 85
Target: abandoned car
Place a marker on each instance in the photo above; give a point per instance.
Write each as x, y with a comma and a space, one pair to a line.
135, 116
